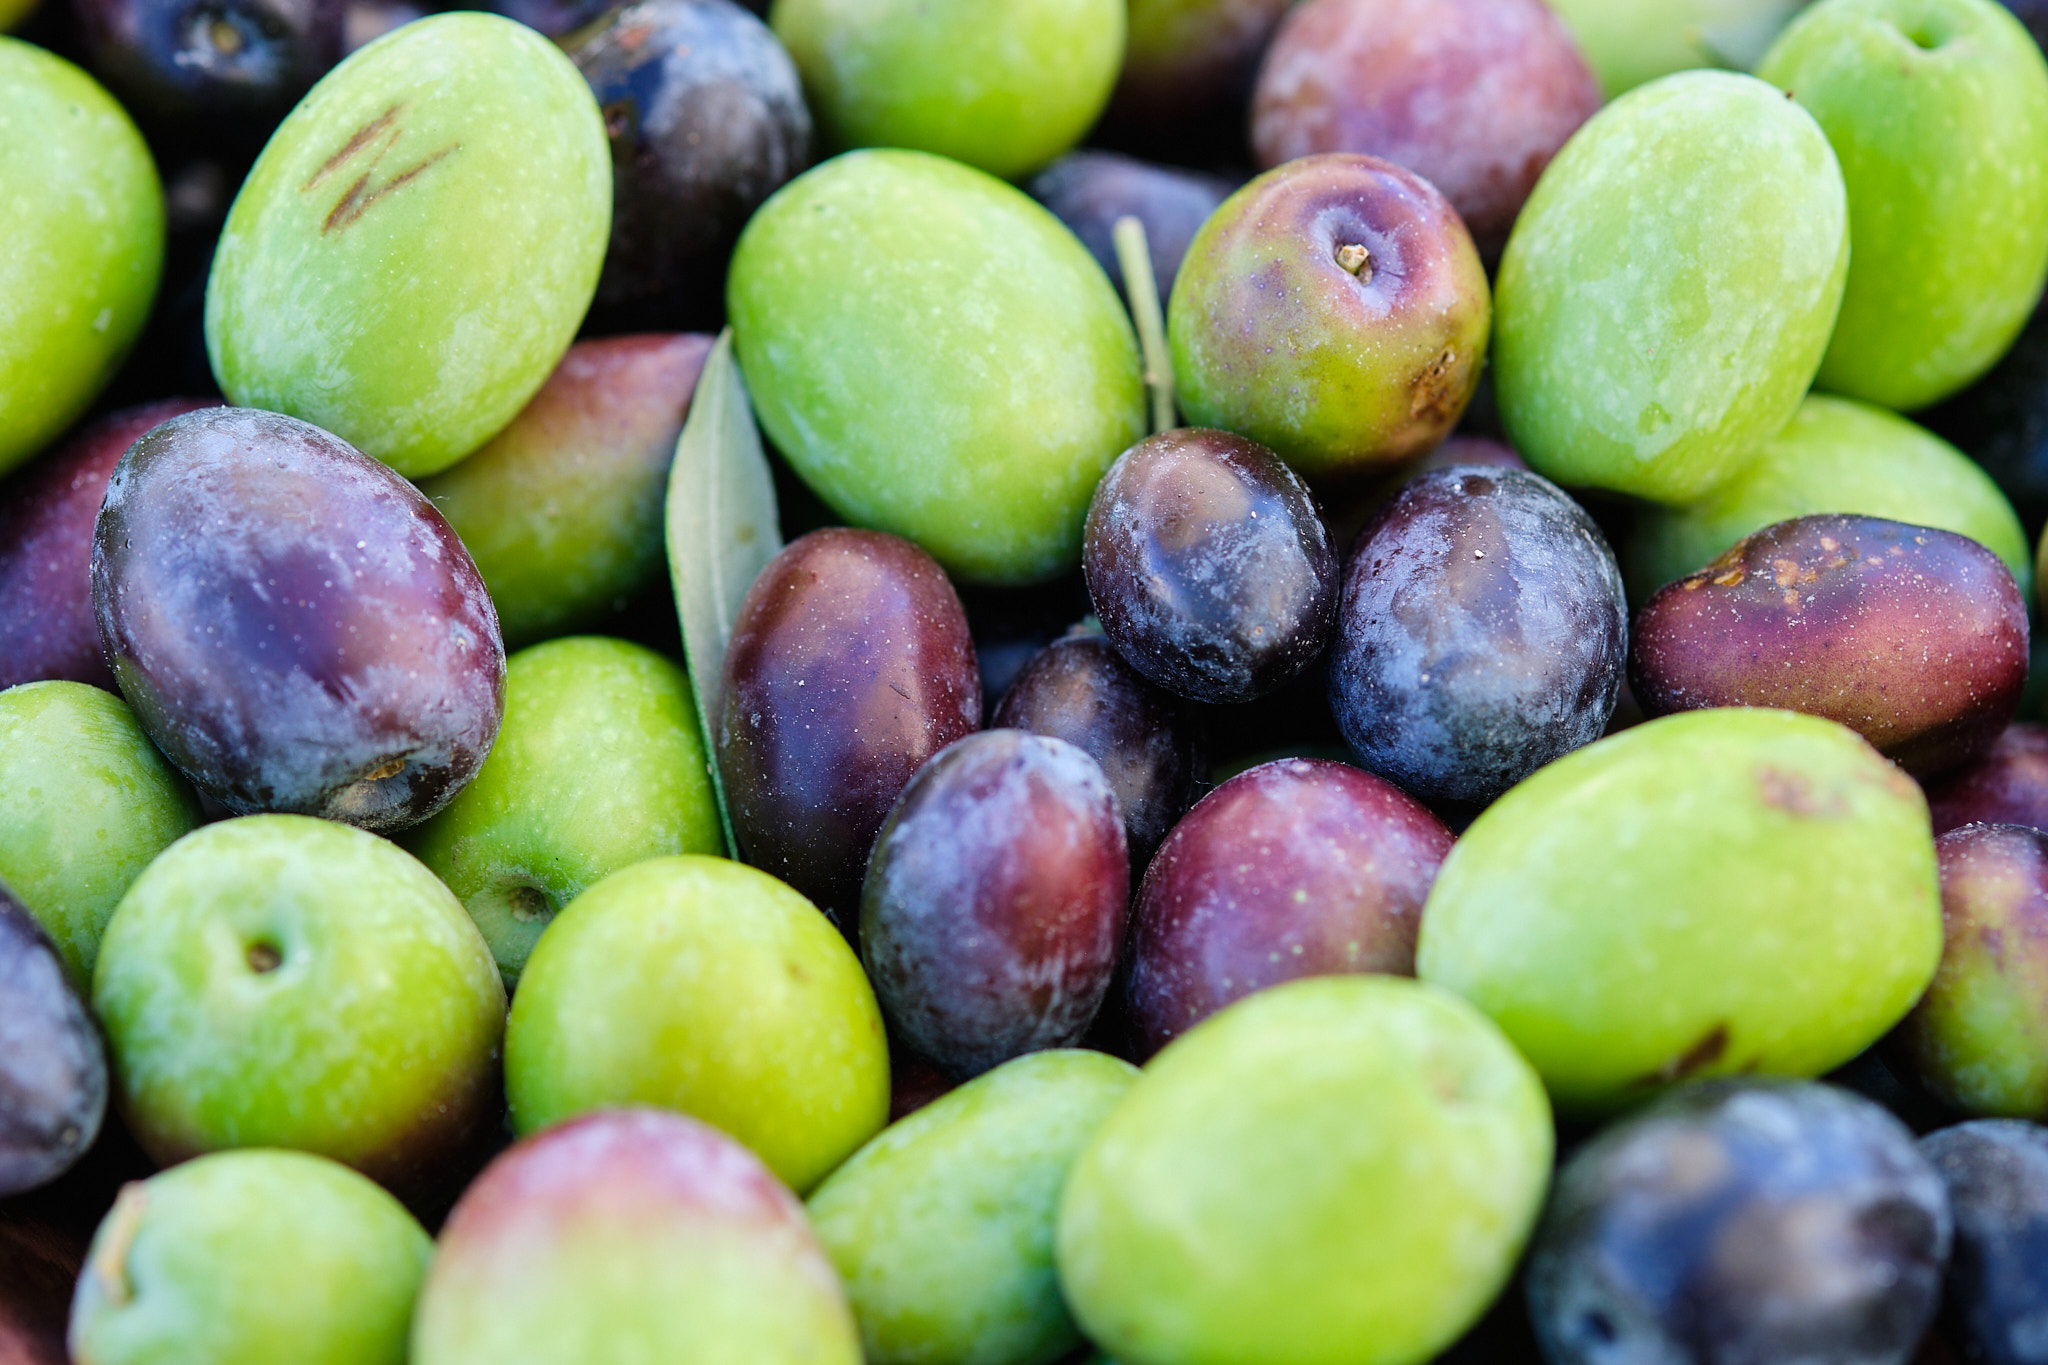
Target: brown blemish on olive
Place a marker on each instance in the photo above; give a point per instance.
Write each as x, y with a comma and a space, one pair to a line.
1711, 1047
1792, 791
360, 198
360, 139
1438, 390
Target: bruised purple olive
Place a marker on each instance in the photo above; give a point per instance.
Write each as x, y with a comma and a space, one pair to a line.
2007, 785
995, 901
1914, 638
1080, 690
1301, 867
53, 1066
293, 623
1483, 633
47, 512
850, 665
1209, 565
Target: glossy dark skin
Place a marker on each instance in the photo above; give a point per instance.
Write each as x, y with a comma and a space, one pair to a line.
995, 901
850, 665
1914, 638
1301, 867
294, 624
1089, 191
706, 119
2008, 785
1475, 96
1209, 565
47, 511
1742, 1222
1996, 1171
1483, 633
1348, 515
198, 57
1146, 740
53, 1066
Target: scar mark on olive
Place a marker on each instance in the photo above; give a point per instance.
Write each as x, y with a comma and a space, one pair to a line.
357, 202
1436, 389
1794, 792
1711, 1047
362, 138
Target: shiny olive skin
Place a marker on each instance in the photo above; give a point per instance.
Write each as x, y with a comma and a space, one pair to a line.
211, 57
1996, 1171
1912, 637
706, 119
1090, 190
294, 624
995, 901
1209, 565
53, 1066
1299, 867
1483, 633
47, 512
1147, 741
2008, 785
1740, 1222
850, 664
1474, 96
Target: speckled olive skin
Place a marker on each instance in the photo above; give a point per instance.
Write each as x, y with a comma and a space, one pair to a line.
996, 900
2007, 786
1996, 1171
46, 518
706, 119
1474, 96
1914, 638
628, 1235
1209, 565
850, 664
1090, 190
1341, 374
1742, 1222
1147, 741
53, 1067
1979, 1037
1483, 633
1182, 56
295, 625
1301, 867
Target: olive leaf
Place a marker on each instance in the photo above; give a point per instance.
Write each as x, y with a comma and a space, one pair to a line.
722, 528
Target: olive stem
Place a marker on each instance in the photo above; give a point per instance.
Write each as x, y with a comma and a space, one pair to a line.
1134, 256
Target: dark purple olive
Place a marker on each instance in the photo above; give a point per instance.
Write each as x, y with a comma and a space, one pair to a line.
1209, 565
1914, 638
46, 516
995, 901
181, 58
1742, 1222
1483, 633
706, 118
1301, 867
294, 624
53, 1066
1349, 511
1996, 1304
1089, 191
850, 665
2008, 785
1080, 690
552, 17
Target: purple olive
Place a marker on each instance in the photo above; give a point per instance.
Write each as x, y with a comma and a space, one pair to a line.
47, 512
1996, 1299
1474, 96
2007, 785
995, 901
1209, 565
53, 1066
1483, 633
294, 624
1301, 867
1080, 690
1089, 191
211, 57
850, 665
1914, 638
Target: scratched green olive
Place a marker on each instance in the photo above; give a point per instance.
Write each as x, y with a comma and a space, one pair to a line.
414, 250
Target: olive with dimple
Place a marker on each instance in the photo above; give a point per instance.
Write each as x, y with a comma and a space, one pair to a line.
1483, 633
850, 664
294, 624
1209, 565
1912, 637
